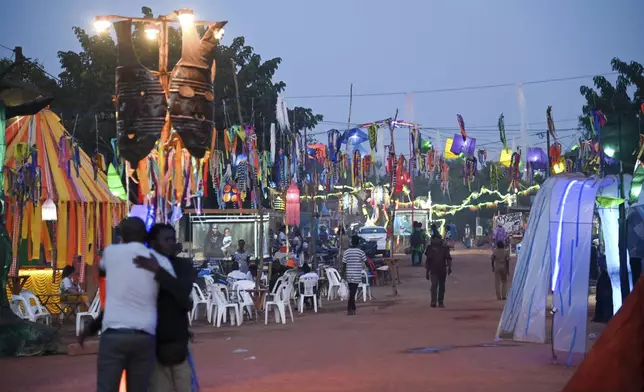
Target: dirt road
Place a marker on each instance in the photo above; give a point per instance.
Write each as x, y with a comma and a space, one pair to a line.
331, 351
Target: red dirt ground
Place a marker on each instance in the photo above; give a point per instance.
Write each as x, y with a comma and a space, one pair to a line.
331, 351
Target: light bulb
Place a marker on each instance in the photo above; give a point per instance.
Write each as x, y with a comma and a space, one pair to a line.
101, 25
151, 32
186, 17
610, 151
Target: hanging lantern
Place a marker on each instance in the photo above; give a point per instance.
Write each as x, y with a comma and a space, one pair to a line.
278, 203
114, 183
559, 167
231, 193
457, 144
506, 157
537, 158
49, 211
448, 149
293, 205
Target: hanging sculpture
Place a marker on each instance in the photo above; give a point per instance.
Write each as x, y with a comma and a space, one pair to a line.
191, 96
469, 171
141, 104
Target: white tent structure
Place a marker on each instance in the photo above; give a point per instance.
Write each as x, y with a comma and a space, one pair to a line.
555, 258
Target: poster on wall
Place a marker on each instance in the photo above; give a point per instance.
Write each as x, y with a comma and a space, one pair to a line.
403, 222
512, 223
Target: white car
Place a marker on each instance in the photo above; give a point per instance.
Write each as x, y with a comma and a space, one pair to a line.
377, 234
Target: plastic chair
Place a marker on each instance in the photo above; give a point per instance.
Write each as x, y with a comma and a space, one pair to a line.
212, 304
197, 299
280, 301
364, 286
222, 309
36, 310
209, 280
20, 307
333, 276
307, 289
244, 299
93, 312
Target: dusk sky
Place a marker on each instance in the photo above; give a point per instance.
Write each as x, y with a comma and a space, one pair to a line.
395, 46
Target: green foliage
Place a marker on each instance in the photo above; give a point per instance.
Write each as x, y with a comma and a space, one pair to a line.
614, 101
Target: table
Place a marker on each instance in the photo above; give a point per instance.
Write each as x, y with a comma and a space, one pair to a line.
69, 302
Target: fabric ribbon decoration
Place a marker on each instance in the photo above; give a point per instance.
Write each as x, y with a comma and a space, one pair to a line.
461, 125
504, 140
373, 139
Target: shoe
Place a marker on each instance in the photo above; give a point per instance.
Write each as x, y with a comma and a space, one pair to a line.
441, 305
433, 305
351, 313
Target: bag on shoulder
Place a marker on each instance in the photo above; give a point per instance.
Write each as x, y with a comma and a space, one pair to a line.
416, 238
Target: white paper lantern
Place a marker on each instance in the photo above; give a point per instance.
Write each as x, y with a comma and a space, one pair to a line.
49, 211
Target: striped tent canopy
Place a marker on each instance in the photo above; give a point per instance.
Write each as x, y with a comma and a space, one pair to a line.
86, 209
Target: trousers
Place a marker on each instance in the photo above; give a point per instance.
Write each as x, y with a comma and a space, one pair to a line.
438, 287
129, 350
353, 289
416, 258
501, 284
175, 378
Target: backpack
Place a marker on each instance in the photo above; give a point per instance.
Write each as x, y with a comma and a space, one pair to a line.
416, 238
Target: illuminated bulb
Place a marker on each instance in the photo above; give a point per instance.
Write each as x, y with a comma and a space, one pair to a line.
101, 25
186, 16
219, 34
151, 32
610, 151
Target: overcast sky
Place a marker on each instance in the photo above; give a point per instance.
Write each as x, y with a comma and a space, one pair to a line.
395, 46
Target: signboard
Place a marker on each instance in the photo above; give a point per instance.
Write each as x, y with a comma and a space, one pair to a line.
512, 223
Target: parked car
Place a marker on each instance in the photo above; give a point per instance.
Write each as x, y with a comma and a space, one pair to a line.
377, 234
370, 248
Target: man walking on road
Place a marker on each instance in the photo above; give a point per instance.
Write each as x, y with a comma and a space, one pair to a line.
439, 265
501, 269
353, 260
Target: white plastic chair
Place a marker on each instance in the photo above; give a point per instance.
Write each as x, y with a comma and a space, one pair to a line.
212, 304
36, 310
307, 289
244, 299
278, 302
93, 312
20, 307
222, 306
197, 299
209, 280
364, 287
335, 281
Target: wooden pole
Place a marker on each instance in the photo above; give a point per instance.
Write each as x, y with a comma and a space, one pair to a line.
340, 206
393, 267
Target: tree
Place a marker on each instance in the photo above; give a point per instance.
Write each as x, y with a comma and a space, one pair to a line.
614, 100
87, 84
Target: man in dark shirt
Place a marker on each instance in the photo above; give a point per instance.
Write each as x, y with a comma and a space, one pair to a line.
172, 372
439, 265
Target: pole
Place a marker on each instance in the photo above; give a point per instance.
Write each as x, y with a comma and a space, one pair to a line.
548, 152
348, 127
623, 262
163, 55
393, 267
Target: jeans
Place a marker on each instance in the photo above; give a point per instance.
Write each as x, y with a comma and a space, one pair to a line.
129, 350
353, 289
416, 258
438, 287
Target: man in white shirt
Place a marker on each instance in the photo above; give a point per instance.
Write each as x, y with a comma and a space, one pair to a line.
236, 274
129, 320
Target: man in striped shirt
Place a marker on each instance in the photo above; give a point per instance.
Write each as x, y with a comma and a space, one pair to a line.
353, 261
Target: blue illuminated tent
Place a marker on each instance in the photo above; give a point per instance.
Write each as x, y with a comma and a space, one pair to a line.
561, 218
